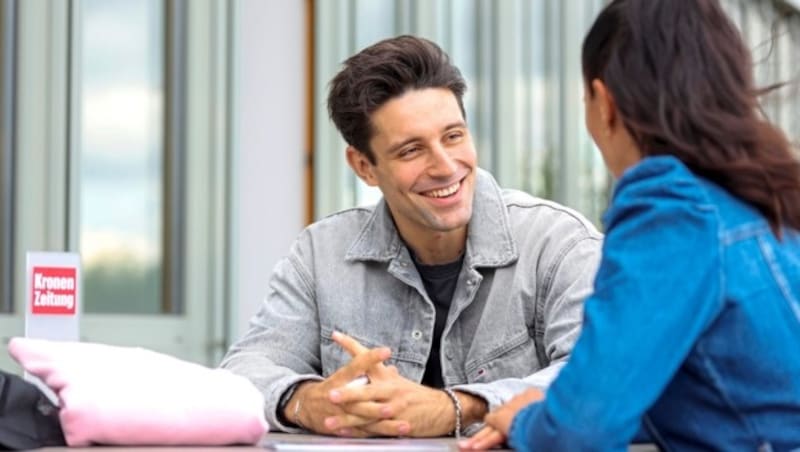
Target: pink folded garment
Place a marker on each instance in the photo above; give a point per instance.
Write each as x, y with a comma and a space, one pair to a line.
133, 396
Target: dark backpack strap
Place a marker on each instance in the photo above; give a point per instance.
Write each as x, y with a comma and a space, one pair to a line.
28, 420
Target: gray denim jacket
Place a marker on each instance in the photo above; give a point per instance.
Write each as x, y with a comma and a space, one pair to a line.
515, 314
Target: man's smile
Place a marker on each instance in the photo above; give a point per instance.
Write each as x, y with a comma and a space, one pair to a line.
443, 192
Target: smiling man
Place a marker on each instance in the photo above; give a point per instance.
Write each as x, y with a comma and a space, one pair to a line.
447, 298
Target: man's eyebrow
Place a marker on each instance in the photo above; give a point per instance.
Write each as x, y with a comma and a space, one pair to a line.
396, 147
455, 125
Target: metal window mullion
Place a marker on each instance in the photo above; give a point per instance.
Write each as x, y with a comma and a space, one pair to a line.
174, 206
74, 122
509, 93
219, 170
334, 181
485, 76
7, 104
444, 23
351, 36
223, 322
553, 133
402, 17
528, 149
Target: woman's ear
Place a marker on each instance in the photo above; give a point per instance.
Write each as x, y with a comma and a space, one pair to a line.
361, 165
606, 105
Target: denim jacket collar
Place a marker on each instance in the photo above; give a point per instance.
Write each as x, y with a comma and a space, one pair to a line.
489, 240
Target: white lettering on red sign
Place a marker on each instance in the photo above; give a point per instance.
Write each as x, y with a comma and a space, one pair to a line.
54, 290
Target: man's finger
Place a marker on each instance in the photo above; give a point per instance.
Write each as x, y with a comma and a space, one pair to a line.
350, 345
388, 427
343, 421
364, 363
374, 410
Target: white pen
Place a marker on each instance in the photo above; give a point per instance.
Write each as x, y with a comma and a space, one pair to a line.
359, 381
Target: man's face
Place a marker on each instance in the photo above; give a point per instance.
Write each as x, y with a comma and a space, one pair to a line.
424, 162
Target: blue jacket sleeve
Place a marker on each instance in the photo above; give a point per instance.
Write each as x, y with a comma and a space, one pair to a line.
658, 288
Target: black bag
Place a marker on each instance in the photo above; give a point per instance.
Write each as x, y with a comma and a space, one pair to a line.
28, 420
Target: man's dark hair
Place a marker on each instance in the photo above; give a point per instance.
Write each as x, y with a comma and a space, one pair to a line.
384, 71
682, 77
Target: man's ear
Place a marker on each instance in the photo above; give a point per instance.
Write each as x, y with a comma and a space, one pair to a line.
361, 165
608, 108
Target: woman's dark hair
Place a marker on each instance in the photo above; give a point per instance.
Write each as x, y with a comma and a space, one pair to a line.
682, 78
381, 72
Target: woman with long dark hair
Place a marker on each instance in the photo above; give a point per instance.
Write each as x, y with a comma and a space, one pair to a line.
693, 332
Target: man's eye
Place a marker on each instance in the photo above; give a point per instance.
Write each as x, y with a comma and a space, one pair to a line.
408, 152
454, 136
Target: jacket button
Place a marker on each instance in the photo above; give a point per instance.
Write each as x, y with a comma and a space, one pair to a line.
416, 334
449, 355
470, 282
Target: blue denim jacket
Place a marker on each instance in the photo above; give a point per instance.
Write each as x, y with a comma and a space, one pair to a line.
693, 329
515, 314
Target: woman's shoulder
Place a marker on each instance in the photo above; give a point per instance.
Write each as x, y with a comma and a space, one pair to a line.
666, 179
660, 181
660, 203
663, 170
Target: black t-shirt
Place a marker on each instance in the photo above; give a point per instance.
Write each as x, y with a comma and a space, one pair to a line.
440, 283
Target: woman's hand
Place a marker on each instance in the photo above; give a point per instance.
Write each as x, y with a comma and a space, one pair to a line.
498, 422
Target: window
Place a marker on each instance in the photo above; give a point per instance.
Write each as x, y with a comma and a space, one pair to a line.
7, 34
107, 94
772, 30
521, 59
121, 147
774, 35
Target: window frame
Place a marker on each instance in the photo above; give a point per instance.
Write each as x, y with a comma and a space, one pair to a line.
7, 151
47, 173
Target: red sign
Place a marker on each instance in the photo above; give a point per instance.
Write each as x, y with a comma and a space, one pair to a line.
54, 290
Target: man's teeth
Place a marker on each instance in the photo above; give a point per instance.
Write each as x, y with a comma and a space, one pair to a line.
443, 192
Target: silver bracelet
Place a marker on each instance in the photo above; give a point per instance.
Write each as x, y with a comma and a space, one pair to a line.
457, 405
296, 413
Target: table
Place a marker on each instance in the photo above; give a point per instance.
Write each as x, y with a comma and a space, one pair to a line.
446, 443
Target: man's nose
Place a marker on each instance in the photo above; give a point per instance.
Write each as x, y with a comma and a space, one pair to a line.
442, 163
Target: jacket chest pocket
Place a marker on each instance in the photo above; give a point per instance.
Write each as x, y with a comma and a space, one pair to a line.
515, 358
334, 357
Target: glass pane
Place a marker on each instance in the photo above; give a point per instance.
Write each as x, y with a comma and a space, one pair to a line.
521, 59
512, 54
772, 34
6, 153
121, 155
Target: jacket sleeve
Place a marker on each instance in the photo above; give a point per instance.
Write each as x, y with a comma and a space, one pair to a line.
281, 347
566, 282
658, 288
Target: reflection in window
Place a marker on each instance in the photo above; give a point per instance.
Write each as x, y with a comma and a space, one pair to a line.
774, 37
771, 29
521, 59
121, 154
